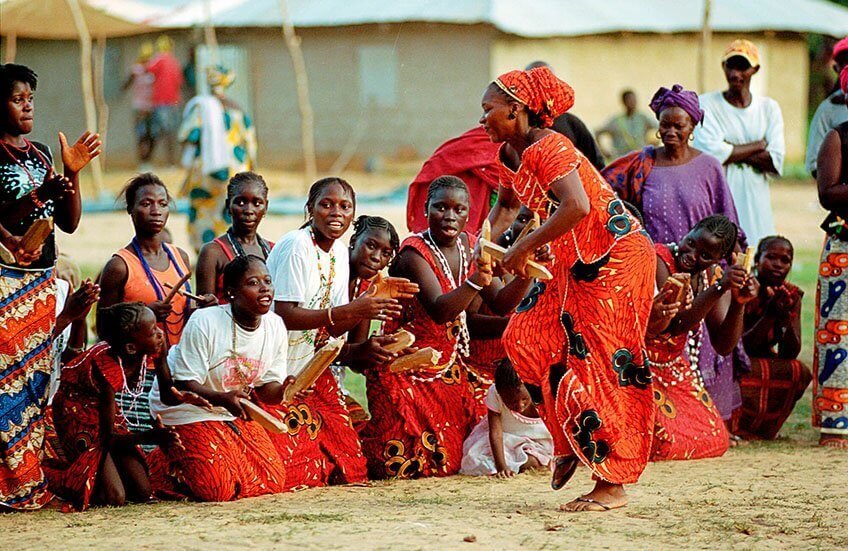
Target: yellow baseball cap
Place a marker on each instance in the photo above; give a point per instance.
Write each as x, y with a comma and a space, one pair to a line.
743, 48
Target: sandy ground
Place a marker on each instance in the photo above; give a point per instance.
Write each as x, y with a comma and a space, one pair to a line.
778, 495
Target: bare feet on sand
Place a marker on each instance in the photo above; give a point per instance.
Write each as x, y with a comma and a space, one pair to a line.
604, 497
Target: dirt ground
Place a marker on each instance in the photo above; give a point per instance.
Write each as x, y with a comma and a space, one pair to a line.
777, 495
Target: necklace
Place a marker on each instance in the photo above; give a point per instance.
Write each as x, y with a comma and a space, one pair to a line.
157, 287
244, 370
317, 337
239, 250
135, 393
26, 149
463, 338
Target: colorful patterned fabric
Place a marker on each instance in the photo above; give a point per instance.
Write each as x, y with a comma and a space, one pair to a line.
540, 90
688, 425
769, 394
677, 97
830, 368
419, 419
27, 317
482, 360
76, 419
588, 322
207, 192
627, 175
321, 446
221, 461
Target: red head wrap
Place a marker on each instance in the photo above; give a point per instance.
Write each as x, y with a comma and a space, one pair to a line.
542, 92
843, 80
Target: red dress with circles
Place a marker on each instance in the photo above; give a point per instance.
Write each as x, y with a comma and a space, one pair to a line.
589, 321
76, 417
688, 425
419, 419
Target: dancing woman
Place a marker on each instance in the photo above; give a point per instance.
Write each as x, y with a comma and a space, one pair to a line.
578, 339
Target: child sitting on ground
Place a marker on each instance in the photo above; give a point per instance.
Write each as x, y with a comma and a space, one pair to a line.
513, 438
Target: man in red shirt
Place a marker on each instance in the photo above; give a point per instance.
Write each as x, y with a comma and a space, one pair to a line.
168, 75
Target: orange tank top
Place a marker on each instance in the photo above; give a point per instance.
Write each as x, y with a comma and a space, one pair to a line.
139, 288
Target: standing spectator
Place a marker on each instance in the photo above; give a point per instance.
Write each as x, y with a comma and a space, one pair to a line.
628, 129
168, 75
745, 133
140, 84
831, 112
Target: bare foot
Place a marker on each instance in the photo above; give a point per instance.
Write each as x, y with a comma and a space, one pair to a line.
603, 497
833, 441
531, 464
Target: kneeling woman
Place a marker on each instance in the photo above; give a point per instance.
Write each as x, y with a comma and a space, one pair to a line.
226, 354
421, 418
106, 465
688, 425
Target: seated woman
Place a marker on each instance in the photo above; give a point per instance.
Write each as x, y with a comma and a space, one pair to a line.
227, 354
773, 341
247, 203
688, 425
420, 418
512, 438
143, 271
105, 464
310, 267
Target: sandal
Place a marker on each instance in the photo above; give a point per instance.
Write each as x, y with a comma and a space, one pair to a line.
563, 471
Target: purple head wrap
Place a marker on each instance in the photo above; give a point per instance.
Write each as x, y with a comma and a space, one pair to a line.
677, 97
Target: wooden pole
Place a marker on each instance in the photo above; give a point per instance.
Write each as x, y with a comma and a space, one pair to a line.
307, 125
706, 38
11, 47
209, 35
99, 98
87, 86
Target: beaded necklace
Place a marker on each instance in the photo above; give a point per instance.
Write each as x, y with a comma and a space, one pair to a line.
135, 393
241, 365
463, 338
26, 149
157, 287
239, 250
317, 337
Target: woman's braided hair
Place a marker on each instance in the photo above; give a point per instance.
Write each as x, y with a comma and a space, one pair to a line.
366, 223
117, 324
721, 227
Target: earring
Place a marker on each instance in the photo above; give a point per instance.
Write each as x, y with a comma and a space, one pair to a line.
511, 116
691, 137
658, 135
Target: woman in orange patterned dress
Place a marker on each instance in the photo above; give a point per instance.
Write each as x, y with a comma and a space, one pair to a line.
419, 419
578, 339
688, 424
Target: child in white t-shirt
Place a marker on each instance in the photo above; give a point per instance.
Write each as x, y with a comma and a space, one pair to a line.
226, 354
513, 438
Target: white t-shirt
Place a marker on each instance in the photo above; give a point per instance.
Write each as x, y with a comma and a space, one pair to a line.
205, 354
314, 279
725, 126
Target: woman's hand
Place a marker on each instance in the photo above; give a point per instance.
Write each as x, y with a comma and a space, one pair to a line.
300, 395
231, 401
515, 260
81, 300
392, 287
375, 308
55, 187
373, 351
734, 277
543, 254
747, 291
504, 473
77, 156
208, 300
22, 257
484, 274
662, 312
161, 309
191, 398
165, 437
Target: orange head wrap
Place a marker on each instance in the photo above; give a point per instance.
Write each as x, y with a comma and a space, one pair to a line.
540, 90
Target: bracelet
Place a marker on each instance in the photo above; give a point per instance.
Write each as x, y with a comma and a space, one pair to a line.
75, 349
35, 200
330, 315
718, 286
474, 285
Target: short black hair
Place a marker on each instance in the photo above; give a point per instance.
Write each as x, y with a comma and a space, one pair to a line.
444, 182
767, 242
626, 93
365, 223
236, 268
10, 73
136, 183
721, 227
118, 323
243, 179
506, 378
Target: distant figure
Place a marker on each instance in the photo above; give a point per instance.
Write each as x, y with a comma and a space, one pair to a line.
219, 142
745, 133
831, 112
628, 129
472, 157
168, 75
140, 83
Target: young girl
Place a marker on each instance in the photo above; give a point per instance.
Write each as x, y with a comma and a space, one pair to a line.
310, 267
688, 425
773, 341
512, 438
143, 270
420, 419
106, 465
247, 203
227, 353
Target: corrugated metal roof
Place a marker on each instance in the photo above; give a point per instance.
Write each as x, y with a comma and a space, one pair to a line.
529, 18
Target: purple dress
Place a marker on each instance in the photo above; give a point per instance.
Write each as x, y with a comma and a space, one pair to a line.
674, 199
